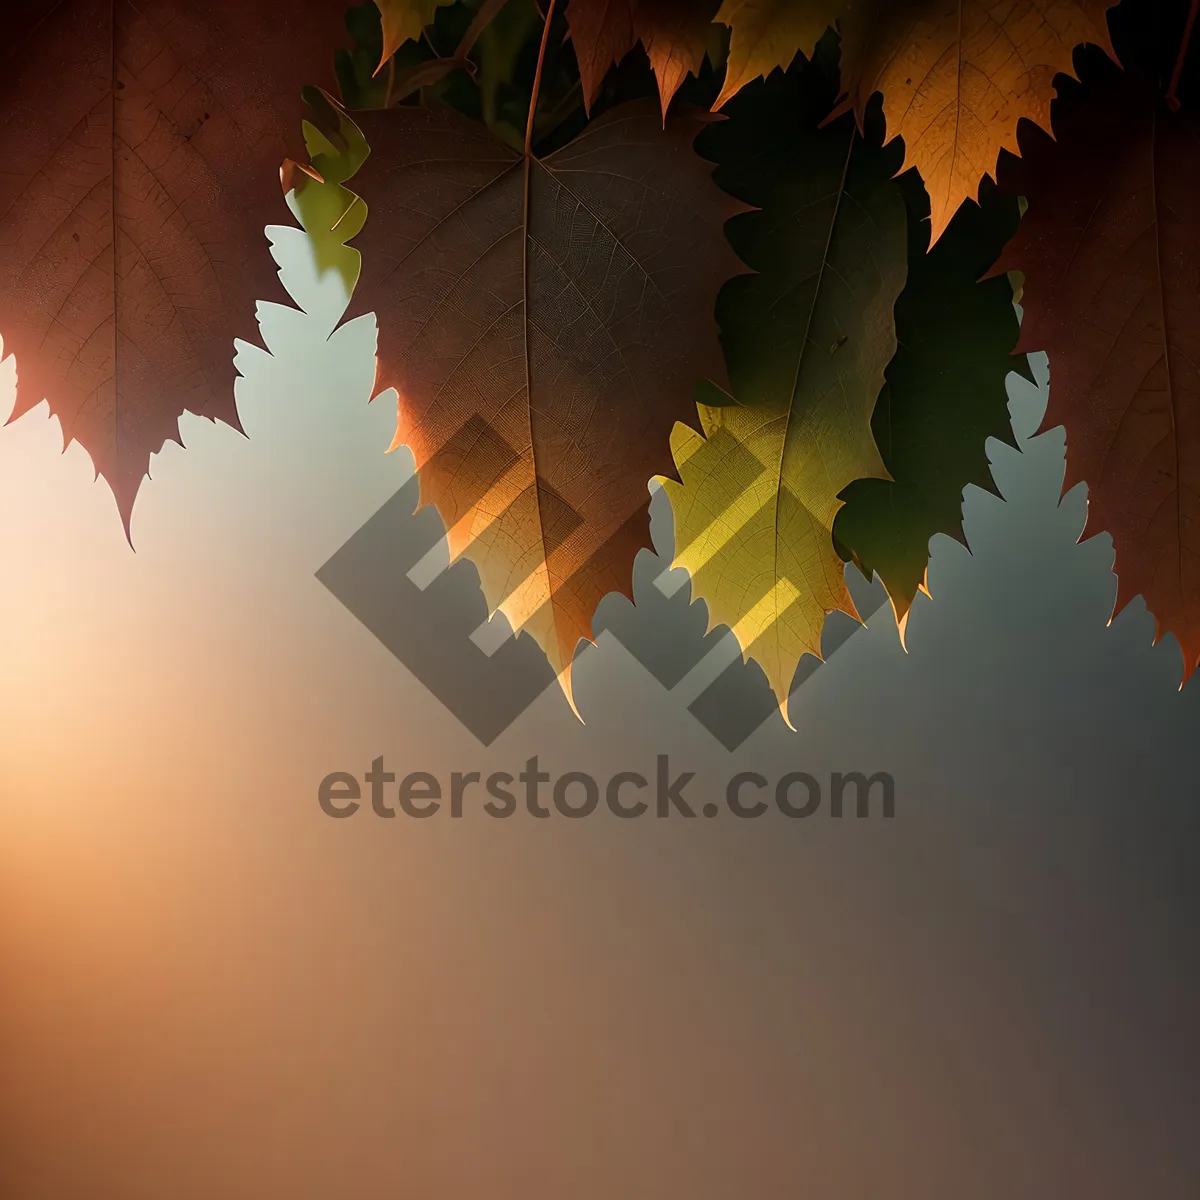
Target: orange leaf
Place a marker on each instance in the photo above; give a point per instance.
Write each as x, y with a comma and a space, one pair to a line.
1110, 250
957, 76
545, 323
142, 148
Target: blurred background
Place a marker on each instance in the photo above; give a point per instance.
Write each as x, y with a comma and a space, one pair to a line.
209, 988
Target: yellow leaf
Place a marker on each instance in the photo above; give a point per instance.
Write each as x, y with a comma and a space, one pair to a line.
403, 21
762, 561
807, 340
770, 33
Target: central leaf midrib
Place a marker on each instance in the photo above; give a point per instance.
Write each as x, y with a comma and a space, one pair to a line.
804, 344
529, 321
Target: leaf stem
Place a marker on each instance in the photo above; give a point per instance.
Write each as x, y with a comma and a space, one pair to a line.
537, 78
1172, 98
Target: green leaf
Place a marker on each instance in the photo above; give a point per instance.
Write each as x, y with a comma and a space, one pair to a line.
330, 214
945, 394
807, 339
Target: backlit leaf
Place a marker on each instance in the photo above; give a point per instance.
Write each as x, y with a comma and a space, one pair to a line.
806, 341
957, 76
1110, 252
544, 322
141, 146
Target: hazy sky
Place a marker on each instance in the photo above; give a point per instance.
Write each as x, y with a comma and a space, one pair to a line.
212, 989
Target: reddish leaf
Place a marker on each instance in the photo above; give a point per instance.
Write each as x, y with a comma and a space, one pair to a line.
672, 31
141, 146
545, 323
1110, 249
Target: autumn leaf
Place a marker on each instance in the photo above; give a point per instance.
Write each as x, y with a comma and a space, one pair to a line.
1110, 251
958, 75
141, 149
806, 341
330, 214
403, 21
945, 395
673, 32
544, 322
367, 78
766, 34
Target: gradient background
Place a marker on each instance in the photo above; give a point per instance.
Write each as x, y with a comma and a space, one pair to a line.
210, 989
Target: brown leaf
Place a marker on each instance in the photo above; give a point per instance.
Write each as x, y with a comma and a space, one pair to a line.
957, 76
1110, 251
141, 147
545, 323
672, 31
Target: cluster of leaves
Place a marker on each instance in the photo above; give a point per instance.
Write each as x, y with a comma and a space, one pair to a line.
761, 249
